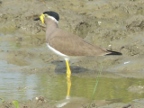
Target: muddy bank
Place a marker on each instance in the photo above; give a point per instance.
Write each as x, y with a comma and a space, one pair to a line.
75, 102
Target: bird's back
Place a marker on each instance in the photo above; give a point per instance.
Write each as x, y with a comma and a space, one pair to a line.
72, 45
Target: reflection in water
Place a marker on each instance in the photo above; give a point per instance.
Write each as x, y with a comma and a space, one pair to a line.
55, 88
15, 85
21, 86
68, 88
67, 99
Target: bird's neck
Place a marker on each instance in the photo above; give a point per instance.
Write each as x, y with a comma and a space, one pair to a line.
51, 25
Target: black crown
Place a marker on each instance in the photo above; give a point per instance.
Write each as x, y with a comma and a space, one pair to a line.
53, 14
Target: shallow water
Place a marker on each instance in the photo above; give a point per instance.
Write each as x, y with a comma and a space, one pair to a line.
21, 86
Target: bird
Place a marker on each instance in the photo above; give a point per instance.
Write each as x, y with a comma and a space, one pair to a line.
66, 44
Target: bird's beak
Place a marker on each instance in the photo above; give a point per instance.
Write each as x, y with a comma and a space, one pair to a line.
42, 16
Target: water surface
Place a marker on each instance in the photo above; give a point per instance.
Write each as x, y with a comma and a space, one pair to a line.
23, 86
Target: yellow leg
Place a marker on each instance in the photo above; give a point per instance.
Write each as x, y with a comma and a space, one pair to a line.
68, 73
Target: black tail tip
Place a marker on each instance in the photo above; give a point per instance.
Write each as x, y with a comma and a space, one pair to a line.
114, 53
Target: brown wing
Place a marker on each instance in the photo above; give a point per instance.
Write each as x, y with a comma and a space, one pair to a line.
73, 45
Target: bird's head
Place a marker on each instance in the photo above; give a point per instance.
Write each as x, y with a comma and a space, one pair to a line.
48, 14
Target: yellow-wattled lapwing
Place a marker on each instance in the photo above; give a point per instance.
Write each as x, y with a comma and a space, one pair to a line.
66, 44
